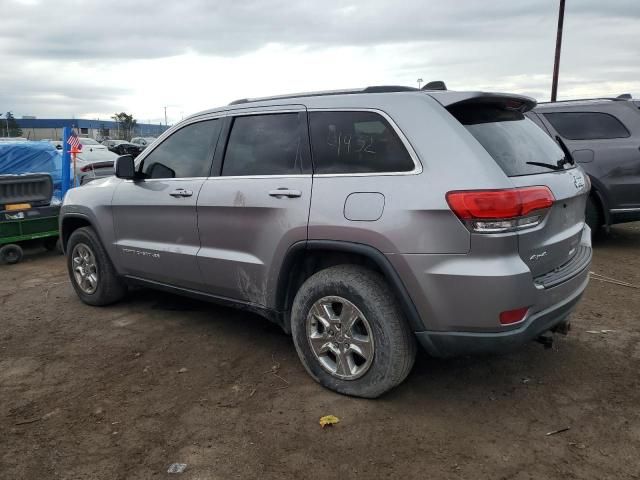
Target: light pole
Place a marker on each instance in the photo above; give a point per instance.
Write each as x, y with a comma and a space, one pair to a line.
165, 117
419, 83
556, 62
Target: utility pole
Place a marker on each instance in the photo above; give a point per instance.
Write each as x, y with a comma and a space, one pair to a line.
165, 117
556, 63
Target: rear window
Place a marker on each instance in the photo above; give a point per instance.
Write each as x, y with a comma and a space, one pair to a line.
510, 138
587, 125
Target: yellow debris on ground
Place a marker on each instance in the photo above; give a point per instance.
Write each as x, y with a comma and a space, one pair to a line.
328, 420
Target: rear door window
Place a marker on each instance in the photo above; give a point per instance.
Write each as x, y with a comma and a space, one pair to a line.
271, 144
510, 138
587, 125
356, 142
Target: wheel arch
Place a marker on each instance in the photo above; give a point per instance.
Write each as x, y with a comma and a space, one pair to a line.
598, 194
305, 258
69, 224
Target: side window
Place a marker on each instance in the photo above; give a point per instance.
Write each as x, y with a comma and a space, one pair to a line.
186, 153
271, 144
356, 142
587, 125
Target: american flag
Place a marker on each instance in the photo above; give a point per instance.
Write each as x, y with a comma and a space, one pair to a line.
74, 142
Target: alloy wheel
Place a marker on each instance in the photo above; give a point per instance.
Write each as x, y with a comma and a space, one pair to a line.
340, 337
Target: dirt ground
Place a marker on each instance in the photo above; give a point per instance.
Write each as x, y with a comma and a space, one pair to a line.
126, 391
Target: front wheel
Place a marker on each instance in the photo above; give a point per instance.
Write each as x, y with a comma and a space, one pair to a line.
350, 333
92, 275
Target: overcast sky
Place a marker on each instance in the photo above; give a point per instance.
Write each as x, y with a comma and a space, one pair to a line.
89, 59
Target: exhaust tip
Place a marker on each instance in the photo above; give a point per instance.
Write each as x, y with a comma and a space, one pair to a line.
563, 328
545, 340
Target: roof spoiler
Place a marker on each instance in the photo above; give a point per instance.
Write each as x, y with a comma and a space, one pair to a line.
507, 101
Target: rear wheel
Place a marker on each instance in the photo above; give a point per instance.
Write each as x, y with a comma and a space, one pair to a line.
593, 215
90, 270
350, 333
11, 253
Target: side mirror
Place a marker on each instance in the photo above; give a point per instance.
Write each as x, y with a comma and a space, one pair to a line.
125, 167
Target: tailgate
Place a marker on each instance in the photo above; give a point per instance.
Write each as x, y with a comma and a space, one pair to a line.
556, 240
530, 158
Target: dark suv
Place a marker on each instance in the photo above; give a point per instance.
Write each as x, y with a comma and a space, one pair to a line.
604, 137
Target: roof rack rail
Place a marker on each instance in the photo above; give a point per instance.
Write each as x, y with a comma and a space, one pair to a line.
371, 89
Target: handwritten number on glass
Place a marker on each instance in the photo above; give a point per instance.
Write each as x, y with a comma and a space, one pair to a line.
346, 143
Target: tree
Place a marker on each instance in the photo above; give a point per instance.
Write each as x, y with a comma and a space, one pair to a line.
11, 125
126, 125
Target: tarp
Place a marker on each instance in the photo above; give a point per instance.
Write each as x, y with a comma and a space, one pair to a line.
18, 158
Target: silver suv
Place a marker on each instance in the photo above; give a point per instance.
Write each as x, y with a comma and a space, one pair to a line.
359, 221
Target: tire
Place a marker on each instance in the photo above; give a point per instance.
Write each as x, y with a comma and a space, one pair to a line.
593, 216
53, 243
108, 288
379, 322
11, 253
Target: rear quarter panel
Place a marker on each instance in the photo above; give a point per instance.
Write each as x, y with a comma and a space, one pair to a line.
416, 216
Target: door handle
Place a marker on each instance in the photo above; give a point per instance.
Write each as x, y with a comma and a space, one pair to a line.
181, 192
285, 192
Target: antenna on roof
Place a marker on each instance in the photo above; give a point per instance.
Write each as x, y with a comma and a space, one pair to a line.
435, 85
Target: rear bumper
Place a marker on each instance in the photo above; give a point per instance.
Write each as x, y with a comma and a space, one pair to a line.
449, 344
460, 297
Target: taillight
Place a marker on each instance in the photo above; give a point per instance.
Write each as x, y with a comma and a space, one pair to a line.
494, 211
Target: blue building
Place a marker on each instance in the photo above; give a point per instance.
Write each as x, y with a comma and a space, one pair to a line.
51, 128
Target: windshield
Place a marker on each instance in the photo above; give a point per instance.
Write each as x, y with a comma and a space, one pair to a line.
511, 139
88, 141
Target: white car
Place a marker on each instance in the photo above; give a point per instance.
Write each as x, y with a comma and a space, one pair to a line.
94, 161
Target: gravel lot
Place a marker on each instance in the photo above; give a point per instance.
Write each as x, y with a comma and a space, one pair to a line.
125, 391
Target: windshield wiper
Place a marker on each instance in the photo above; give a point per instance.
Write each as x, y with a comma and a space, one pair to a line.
568, 158
559, 166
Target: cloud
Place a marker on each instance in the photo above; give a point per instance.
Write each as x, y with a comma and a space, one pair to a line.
147, 29
84, 56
